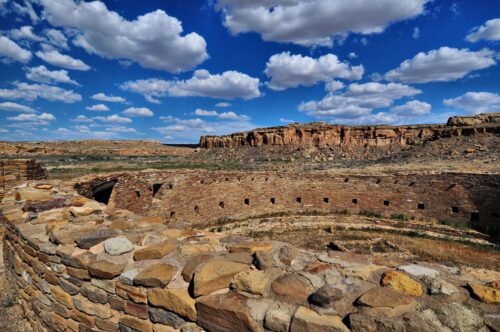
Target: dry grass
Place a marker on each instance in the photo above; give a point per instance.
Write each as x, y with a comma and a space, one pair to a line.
11, 315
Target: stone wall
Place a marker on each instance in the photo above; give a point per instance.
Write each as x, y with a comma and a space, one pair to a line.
201, 197
322, 134
13, 172
80, 265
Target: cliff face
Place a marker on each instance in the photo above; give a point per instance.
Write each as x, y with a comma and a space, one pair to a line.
322, 134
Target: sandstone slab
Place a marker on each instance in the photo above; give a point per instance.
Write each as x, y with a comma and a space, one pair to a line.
485, 293
215, 275
157, 275
402, 283
306, 319
176, 300
292, 287
118, 246
155, 251
105, 269
384, 297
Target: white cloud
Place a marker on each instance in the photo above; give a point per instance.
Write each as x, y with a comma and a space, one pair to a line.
81, 128
15, 107
61, 60
223, 104
42, 75
228, 85
412, 108
476, 102
286, 120
63, 131
98, 108
115, 118
82, 118
315, 22
352, 55
138, 111
358, 101
44, 117
205, 113
334, 86
416, 33
11, 50
56, 38
24, 32
121, 129
441, 65
27, 9
111, 99
287, 71
34, 91
153, 40
488, 31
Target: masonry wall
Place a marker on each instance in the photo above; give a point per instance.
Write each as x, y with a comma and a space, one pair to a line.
13, 172
203, 197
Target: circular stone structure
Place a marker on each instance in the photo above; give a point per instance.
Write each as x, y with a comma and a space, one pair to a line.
190, 280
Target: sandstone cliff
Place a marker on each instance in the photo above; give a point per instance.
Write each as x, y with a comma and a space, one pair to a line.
321, 134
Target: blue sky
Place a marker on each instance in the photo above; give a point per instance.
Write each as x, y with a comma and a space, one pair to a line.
175, 70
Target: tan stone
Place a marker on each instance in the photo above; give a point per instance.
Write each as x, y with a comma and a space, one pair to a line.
53, 225
43, 186
136, 294
137, 324
156, 275
176, 300
308, 320
485, 294
155, 251
292, 287
105, 269
384, 297
215, 275
402, 283
61, 296
252, 281
163, 328
250, 246
93, 309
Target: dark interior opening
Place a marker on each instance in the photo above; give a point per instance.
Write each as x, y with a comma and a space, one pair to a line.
221, 204
102, 192
156, 187
494, 214
474, 216
247, 201
299, 199
346, 180
137, 193
378, 181
326, 200
421, 206
411, 184
454, 209
172, 214
386, 203
354, 201
273, 200
197, 209
170, 186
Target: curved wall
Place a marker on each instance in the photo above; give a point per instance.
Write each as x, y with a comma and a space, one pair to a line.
201, 197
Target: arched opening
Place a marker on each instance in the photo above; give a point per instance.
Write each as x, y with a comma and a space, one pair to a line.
102, 192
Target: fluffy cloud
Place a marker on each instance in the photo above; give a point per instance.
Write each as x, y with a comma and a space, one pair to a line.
34, 91
56, 38
152, 40
189, 130
115, 118
358, 100
25, 32
223, 115
15, 107
315, 22
228, 85
441, 65
11, 50
223, 104
476, 102
44, 117
27, 10
412, 108
416, 33
111, 99
488, 31
138, 111
287, 71
42, 75
334, 86
121, 129
61, 60
98, 108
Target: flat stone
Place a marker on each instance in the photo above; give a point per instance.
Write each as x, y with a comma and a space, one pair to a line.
306, 319
105, 269
292, 287
402, 283
92, 309
89, 240
61, 296
418, 270
215, 275
485, 293
106, 285
176, 300
438, 286
165, 317
288, 254
192, 264
155, 251
127, 292
155, 275
225, 312
384, 297
118, 246
250, 246
458, 317
94, 294
138, 310
136, 324
252, 281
